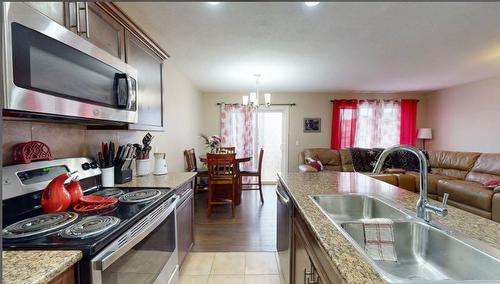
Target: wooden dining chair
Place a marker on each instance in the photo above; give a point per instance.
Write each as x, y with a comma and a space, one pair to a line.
255, 173
228, 150
222, 174
191, 166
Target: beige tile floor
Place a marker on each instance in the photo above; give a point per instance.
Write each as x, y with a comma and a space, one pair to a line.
230, 268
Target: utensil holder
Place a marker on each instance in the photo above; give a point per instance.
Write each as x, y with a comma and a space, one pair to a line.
123, 175
143, 167
108, 177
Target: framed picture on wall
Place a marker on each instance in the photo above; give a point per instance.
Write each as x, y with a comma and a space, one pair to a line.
312, 125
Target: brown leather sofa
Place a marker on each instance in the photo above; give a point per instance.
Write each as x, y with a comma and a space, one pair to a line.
460, 174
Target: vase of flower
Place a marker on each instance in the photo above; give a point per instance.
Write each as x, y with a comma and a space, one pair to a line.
213, 142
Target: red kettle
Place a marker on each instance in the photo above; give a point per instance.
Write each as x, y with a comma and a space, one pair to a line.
75, 191
55, 198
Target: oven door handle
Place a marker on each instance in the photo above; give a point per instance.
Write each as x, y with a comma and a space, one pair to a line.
114, 251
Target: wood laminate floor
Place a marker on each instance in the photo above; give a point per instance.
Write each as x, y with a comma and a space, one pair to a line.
252, 229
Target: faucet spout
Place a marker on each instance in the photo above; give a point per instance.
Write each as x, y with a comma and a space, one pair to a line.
424, 208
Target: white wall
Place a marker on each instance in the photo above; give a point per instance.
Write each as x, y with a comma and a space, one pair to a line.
466, 117
308, 105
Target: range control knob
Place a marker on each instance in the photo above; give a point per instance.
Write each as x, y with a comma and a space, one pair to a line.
85, 166
94, 165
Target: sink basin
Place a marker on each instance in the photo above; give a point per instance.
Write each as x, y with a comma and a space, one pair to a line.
353, 207
426, 253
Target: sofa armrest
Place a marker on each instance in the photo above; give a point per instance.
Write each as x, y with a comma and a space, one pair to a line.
495, 207
307, 169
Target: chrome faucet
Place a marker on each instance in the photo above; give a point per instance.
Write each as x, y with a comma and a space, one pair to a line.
424, 208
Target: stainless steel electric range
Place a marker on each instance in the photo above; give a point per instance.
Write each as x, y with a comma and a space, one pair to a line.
131, 242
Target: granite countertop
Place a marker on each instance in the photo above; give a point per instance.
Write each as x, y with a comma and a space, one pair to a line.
36, 266
171, 180
352, 266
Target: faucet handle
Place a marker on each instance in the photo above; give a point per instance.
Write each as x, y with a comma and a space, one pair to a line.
445, 200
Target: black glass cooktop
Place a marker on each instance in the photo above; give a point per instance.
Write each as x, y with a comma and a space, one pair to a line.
128, 214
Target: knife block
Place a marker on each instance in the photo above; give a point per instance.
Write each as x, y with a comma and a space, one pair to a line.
122, 175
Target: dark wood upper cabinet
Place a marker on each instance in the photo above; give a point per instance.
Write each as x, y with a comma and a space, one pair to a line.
149, 68
104, 31
54, 10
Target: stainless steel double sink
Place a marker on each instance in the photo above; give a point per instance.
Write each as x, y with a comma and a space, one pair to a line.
425, 253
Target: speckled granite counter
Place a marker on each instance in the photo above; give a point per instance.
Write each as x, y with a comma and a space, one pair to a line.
350, 263
36, 267
172, 180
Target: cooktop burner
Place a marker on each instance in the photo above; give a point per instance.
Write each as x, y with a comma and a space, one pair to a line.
138, 196
110, 192
39, 225
90, 227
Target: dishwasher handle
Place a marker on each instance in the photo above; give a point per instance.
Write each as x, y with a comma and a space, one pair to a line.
282, 198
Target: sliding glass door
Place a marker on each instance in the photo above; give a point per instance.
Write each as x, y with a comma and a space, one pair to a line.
272, 133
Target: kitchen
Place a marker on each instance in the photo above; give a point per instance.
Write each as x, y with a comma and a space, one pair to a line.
81, 78
85, 45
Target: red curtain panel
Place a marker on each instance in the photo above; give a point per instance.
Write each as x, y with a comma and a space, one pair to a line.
408, 132
343, 123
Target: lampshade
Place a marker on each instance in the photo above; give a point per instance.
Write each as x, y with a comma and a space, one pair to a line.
267, 98
424, 133
245, 100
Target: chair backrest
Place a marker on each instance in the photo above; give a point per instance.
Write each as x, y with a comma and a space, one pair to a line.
190, 157
228, 150
261, 156
221, 166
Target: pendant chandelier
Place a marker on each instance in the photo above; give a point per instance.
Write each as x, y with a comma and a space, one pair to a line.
253, 99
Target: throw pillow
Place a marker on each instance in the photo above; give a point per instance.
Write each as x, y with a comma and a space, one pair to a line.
364, 160
315, 163
492, 183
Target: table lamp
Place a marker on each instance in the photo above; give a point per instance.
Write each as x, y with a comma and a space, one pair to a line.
424, 134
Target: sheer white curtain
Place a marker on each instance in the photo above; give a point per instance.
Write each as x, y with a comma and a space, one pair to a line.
378, 123
238, 125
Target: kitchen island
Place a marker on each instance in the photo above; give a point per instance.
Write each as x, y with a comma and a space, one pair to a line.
37, 266
343, 260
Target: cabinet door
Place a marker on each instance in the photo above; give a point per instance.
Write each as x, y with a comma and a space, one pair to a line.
185, 228
54, 10
304, 271
104, 31
149, 81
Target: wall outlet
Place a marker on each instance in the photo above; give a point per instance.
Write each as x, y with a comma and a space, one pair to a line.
297, 143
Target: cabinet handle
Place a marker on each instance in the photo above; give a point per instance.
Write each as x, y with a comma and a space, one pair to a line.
87, 25
77, 15
310, 277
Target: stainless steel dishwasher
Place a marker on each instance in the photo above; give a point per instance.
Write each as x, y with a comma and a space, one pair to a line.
284, 231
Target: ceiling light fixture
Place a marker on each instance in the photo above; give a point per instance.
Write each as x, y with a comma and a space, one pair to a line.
253, 99
311, 4
213, 3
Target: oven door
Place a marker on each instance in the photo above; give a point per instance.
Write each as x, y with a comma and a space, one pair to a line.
51, 71
146, 253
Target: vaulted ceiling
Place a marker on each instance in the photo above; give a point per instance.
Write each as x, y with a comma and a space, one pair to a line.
329, 47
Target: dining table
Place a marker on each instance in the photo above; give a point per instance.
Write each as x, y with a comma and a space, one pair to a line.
239, 160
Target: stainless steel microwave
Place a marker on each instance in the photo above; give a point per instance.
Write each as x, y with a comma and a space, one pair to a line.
50, 71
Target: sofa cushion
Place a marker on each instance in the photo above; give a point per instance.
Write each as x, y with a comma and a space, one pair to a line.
325, 155
388, 178
486, 168
467, 192
453, 164
406, 182
432, 181
346, 160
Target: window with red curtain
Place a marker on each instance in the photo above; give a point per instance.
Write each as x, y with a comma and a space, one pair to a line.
343, 123
408, 130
